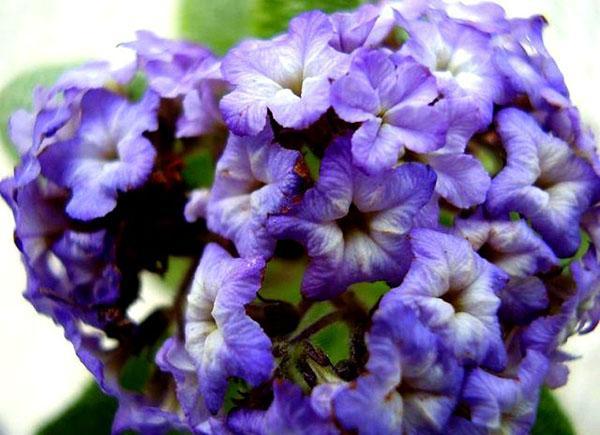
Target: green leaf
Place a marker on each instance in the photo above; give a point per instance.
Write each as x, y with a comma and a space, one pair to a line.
91, 413
17, 95
551, 418
220, 24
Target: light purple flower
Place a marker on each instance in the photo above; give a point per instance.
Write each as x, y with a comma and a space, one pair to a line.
173, 358
201, 113
108, 155
455, 292
461, 59
485, 16
411, 381
221, 340
254, 178
543, 180
173, 68
186, 70
525, 64
461, 178
289, 76
352, 29
392, 101
354, 226
586, 273
196, 206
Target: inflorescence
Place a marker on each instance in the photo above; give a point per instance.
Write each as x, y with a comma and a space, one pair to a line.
398, 234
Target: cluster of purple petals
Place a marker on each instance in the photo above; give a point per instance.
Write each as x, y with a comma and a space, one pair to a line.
426, 145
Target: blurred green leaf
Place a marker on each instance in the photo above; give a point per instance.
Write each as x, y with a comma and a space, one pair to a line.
176, 272
283, 279
136, 371
199, 169
270, 17
551, 418
221, 24
91, 413
17, 95
136, 88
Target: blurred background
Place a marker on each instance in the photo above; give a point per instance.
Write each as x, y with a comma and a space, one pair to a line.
39, 373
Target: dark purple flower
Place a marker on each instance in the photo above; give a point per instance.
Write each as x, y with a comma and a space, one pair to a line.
507, 402
108, 155
511, 245
354, 226
411, 382
289, 413
543, 180
392, 101
289, 75
254, 178
221, 340
455, 291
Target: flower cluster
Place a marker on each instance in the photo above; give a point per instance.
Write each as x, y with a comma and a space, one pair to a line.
399, 232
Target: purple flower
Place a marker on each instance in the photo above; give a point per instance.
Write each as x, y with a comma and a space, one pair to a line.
454, 290
92, 75
289, 413
196, 206
201, 113
183, 69
135, 415
221, 340
108, 155
461, 178
460, 57
523, 299
525, 64
586, 273
543, 180
173, 68
354, 226
173, 358
352, 29
255, 177
289, 75
486, 16
411, 382
74, 270
510, 245
547, 333
507, 402
392, 101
